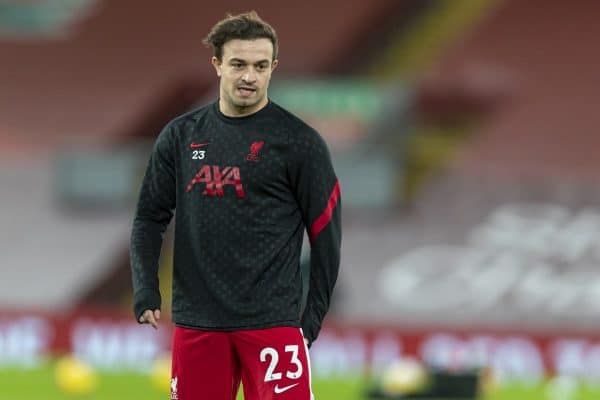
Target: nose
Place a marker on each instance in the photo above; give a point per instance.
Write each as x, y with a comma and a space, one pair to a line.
249, 76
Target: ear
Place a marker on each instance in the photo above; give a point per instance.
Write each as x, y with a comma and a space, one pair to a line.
274, 64
217, 65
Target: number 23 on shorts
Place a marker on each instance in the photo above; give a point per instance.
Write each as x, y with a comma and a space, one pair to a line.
286, 371
271, 375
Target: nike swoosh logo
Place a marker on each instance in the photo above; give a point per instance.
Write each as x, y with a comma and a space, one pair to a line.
279, 390
198, 145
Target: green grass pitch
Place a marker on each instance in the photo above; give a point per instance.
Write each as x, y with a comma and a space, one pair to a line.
39, 383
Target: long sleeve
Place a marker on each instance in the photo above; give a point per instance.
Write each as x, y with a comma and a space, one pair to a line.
318, 194
154, 211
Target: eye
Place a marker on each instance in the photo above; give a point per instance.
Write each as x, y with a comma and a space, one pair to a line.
237, 65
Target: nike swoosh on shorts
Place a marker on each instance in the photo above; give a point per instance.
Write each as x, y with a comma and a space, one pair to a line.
279, 390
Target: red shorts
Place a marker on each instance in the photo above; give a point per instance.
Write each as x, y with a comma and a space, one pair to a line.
271, 363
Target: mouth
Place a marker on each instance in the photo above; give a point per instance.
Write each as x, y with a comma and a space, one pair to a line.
246, 91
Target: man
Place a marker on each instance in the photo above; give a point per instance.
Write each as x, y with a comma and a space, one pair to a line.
246, 178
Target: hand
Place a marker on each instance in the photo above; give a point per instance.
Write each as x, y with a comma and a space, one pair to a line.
150, 317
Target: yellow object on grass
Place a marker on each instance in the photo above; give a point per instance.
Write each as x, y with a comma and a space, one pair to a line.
74, 376
405, 376
161, 374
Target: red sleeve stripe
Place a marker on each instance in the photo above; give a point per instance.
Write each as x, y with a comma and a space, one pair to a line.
324, 219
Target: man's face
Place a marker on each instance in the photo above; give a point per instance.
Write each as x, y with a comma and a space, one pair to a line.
245, 71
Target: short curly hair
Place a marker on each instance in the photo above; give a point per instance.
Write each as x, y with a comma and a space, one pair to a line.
245, 26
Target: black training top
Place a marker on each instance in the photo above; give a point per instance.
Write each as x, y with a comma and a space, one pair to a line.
244, 190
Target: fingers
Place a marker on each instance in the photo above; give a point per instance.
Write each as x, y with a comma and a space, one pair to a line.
150, 317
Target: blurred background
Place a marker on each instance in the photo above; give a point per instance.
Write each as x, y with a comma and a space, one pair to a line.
465, 136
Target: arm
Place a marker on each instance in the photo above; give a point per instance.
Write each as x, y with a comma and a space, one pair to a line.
154, 212
318, 193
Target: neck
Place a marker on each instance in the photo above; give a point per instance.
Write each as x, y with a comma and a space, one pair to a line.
232, 110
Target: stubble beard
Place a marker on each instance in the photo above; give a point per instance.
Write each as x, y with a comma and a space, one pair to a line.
242, 105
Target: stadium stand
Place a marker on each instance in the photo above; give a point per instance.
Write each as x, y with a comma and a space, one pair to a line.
516, 204
548, 130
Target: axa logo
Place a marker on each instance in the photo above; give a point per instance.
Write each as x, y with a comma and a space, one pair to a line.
216, 178
254, 150
174, 395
